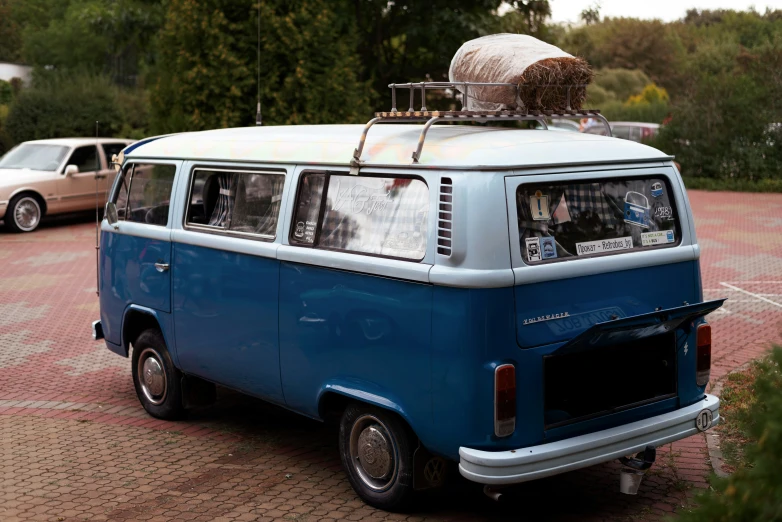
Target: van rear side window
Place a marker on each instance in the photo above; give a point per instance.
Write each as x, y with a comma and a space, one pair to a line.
569, 220
377, 216
241, 202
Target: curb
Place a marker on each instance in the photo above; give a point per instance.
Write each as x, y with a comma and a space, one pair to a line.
712, 439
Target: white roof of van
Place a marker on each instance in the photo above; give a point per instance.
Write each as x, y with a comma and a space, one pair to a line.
446, 146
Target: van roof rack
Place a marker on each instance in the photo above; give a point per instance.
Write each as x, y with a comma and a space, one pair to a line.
431, 117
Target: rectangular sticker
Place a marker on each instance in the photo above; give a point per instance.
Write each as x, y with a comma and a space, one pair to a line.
533, 248
538, 206
660, 237
604, 245
548, 247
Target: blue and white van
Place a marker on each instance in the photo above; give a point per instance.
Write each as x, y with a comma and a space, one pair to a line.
522, 302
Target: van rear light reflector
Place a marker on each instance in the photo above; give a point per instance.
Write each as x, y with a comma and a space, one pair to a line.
504, 400
703, 355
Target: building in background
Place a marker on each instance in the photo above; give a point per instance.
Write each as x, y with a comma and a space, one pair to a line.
15, 70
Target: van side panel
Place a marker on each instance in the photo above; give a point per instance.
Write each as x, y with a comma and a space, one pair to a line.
473, 332
225, 315
339, 327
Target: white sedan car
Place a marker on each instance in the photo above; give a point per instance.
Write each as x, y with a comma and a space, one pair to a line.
55, 177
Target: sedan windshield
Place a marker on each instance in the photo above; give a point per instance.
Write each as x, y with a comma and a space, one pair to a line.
34, 156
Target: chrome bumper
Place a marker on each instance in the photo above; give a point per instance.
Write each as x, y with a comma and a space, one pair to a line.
534, 462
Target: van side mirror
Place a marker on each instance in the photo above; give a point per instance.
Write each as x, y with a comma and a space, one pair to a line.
70, 170
111, 215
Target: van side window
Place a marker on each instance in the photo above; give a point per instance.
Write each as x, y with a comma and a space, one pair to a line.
149, 194
244, 202
377, 216
121, 200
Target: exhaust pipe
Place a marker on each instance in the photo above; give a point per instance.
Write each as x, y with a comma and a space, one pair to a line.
634, 469
492, 493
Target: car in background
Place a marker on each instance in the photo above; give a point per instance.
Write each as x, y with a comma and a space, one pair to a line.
639, 132
56, 176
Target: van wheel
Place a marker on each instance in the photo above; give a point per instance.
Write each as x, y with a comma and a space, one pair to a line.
23, 213
377, 447
158, 383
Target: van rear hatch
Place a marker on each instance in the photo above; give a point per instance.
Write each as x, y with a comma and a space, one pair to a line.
594, 373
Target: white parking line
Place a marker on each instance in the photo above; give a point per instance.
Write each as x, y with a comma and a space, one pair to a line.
756, 296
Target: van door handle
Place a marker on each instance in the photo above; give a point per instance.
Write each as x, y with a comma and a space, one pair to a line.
162, 267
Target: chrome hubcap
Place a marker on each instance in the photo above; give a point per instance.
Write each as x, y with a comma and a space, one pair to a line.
27, 214
152, 376
373, 453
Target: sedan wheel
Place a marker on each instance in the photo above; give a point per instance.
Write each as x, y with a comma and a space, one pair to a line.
24, 214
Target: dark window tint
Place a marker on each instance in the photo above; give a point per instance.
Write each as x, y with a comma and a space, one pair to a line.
86, 158
564, 221
245, 202
379, 216
149, 194
110, 149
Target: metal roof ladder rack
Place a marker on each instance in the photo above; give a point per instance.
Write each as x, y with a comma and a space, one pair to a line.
412, 115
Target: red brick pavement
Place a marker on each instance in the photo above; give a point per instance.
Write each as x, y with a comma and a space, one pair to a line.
75, 444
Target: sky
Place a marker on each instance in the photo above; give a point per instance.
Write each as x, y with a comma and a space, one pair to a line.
667, 10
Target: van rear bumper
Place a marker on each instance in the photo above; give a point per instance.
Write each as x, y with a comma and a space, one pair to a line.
534, 462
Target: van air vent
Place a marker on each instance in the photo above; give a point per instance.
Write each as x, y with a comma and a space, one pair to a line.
445, 217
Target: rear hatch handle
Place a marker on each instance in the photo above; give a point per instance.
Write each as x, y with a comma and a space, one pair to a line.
637, 327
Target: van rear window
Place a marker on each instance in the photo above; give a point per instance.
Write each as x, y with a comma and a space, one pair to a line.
569, 220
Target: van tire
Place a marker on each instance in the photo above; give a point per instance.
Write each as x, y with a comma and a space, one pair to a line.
157, 381
382, 476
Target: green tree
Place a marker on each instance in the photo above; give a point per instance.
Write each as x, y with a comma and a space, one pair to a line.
721, 124
206, 74
10, 34
411, 40
59, 106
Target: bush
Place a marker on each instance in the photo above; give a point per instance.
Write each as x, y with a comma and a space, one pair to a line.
59, 106
721, 126
753, 492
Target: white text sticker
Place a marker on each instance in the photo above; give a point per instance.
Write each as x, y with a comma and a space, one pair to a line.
660, 237
604, 245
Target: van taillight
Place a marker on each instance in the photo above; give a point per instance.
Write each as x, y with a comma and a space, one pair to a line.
504, 400
703, 355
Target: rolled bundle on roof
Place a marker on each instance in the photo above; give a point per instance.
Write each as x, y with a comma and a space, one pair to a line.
542, 72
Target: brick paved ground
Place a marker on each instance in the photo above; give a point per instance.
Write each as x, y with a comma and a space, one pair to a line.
75, 444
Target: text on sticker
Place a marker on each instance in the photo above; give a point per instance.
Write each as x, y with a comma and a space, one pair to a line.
604, 245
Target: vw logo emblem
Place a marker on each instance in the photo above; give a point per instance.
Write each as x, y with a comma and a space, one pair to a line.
704, 419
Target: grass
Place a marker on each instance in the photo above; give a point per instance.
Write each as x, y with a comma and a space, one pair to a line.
733, 185
736, 401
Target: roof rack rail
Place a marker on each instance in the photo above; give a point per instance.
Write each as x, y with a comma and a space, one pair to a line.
431, 117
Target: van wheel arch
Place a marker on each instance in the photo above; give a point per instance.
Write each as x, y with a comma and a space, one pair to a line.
134, 324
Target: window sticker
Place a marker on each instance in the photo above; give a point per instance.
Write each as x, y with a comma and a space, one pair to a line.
660, 237
657, 189
548, 247
538, 204
663, 213
604, 245
533, 248
636, 209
